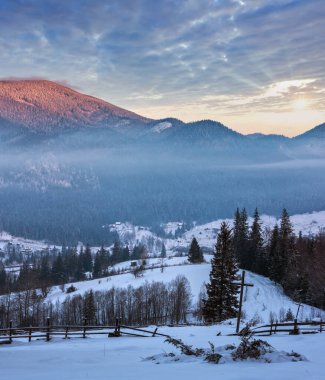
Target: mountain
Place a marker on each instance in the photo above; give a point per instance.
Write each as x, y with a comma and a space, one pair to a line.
45, 107
71, 163
316, 132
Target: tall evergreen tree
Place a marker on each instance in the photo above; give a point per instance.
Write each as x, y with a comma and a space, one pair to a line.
256, 245
116, 253
89, 308
221, 302
58, 270
87, 260
195, 254
97, 268
125, 256
287, 249
274, 258
163, 252
241, 239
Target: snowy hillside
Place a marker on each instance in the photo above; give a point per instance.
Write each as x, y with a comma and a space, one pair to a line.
261, 302
308, 224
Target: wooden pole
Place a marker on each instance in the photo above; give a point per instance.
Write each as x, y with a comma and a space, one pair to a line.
30, 334
48, 329
85, 324
154, 333
116, 326
240, 300
10, 331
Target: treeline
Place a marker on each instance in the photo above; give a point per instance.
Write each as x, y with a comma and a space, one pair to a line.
295, 262
151, 303
70, 265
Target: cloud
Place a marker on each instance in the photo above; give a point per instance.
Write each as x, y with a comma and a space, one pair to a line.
214, 55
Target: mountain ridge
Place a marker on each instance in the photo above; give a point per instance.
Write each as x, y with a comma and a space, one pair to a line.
45, 107
42, 106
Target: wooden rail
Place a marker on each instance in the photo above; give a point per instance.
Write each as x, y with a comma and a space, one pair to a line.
47, 332
292, 328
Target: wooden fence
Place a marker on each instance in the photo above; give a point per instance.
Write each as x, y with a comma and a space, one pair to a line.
49, 331
292, 328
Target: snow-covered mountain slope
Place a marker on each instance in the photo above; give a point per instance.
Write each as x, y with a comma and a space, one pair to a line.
263, 301
307, 224
43, 106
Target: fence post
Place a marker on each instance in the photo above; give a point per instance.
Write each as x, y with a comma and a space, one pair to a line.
295, 330
85, 324
10, 331
66, 332
30, 334
275, 325
117, 331
154, 333
271, 327
48, 329
321, 326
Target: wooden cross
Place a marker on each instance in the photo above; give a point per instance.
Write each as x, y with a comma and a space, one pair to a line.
299, 306
242, 285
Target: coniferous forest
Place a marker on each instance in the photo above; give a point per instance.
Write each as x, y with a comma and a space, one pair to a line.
295, 262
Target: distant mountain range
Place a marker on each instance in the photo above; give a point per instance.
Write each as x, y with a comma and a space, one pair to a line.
71, 163
47, 108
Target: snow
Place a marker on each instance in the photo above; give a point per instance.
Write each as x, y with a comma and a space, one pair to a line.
264, 298
161, 126
99, 358
309, 223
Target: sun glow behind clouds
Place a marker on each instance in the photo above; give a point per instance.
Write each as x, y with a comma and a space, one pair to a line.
300, 104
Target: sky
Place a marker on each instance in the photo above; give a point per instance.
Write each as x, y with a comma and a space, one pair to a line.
254, 65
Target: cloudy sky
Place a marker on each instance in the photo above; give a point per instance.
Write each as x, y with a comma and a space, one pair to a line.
255, 65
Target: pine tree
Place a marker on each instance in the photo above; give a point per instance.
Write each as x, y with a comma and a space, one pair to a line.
221, 302
241, 239
274, 258
125, 254
163, 252
256, 245
89, 309
58, 270
116, 253
195, 255
104, 258
87, 260
97, 269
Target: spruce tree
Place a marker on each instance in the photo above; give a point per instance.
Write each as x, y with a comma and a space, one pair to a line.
241, 239
195, 255
221, 302
97, 269
87, 260
116, 253
125, 256
89, 309
256, 245
163, 252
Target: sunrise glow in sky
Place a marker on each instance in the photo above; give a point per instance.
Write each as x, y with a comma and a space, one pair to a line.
254, 65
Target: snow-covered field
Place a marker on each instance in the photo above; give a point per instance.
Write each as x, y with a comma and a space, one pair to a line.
99, 358
260, 301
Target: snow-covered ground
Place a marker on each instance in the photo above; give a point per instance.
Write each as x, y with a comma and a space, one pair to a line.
260, 301
99, 358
